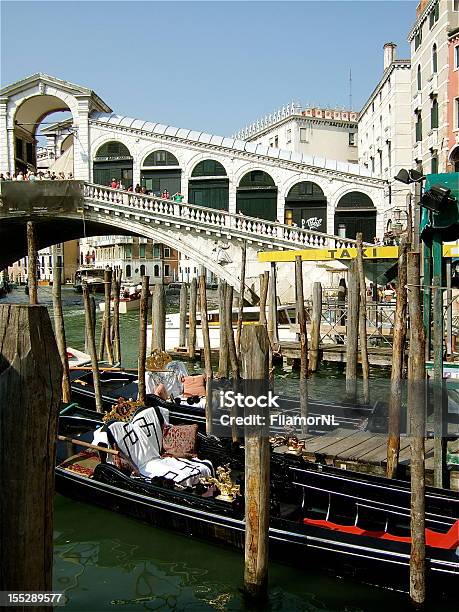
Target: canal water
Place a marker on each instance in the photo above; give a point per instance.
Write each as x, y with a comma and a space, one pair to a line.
103, 561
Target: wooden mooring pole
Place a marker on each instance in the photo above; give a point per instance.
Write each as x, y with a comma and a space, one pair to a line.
30, 394
207, 351
143, 322
301, 313
192, 319
116, 287
92, 347
234, 364
416, 411
273, 328
398, 361
107, 313
158, 318
32, 263
241, 299
363, 321
92, 307
254, 353
59, 330
223, 355
182, 311
352, 332
314, 353
264, 284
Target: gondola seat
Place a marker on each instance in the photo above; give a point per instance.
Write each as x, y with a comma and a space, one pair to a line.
141, 440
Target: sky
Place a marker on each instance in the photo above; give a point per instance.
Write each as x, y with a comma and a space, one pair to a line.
210, 66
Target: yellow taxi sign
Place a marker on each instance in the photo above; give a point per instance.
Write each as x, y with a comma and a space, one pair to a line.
369, 252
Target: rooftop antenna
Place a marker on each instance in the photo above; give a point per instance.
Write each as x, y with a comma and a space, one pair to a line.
350, 88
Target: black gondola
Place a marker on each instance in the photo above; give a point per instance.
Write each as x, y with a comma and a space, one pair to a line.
349, 522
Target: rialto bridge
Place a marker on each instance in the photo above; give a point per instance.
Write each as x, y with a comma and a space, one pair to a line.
328, 198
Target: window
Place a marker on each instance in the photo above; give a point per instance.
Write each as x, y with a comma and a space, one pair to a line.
456, 56
419, 127
167, 270
456, 113
418, 39
289, 135
434, 114
419, 78
167, 252
456, 5
276, 141
142, 250
304, 135
156, 270
128, 251
434, 165
142, 269
434, 59
433, 17
352, 139
161, 158
372, 164
156, 250
389, 154
128, 271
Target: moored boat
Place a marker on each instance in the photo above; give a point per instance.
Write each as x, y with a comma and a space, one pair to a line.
349, 522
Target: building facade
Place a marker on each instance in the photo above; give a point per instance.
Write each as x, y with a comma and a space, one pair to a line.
453, 101
384, 135
322, 133
135, 256
430, 72
64, 255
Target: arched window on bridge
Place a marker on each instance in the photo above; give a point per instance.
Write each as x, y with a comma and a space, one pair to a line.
306, 206
256, 195
208, 185
161, 171
113, 160
355, 213
128, 271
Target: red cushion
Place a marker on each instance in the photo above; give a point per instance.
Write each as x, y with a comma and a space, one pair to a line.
179, 440
434, 539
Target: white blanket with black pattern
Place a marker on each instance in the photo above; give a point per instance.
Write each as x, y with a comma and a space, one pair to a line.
141, 440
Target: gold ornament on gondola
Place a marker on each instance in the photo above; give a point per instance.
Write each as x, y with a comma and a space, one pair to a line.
157, 361
228, 490
290, 440
123, 410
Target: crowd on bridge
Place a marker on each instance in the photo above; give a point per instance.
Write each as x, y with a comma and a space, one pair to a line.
165, 195
36, 176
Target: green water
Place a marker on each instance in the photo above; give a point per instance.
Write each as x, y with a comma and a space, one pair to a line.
104, 561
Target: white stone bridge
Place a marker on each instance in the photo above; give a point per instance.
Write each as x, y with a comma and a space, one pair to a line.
210, 237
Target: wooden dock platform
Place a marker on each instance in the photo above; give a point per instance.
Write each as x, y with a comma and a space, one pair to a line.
379, 356
362, 451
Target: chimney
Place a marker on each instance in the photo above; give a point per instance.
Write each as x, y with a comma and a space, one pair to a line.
389, 54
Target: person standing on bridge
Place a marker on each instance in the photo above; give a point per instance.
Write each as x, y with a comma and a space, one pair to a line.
165, 195
177, 197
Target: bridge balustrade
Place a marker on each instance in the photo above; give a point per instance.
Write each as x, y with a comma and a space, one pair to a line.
238, 223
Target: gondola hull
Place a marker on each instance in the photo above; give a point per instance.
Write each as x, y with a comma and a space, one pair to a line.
293, 485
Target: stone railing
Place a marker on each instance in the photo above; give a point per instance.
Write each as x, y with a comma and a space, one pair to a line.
233, 224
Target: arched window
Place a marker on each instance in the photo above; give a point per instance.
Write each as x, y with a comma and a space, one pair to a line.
142, 270
209, 167
434, 114
112, 150
128, 271
161, 158
434, 59
156, 270
419, 78
256, 178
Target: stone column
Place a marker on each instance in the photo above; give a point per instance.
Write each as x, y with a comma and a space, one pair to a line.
232, 196
4, 140
81, 146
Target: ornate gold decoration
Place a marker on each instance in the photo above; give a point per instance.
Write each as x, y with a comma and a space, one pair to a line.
157, 361
290, 440
123, 410
228, 490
